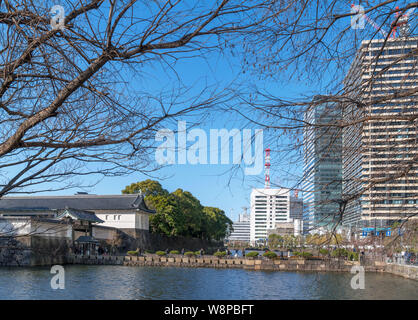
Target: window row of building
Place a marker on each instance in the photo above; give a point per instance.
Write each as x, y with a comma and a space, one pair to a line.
358, 173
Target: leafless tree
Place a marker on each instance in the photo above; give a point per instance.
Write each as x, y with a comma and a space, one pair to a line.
69, 105
316, 43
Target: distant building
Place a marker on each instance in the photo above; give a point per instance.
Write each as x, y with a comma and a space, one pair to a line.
282, 229
268, 207
296, 207
241, 229
322, 177
294, 228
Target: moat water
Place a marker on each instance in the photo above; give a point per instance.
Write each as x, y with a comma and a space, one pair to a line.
119, 282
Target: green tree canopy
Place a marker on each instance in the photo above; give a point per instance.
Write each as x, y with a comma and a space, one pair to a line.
147, 187
180, 213
217, 223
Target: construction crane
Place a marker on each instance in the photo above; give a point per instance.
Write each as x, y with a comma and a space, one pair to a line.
401, 22
357, 11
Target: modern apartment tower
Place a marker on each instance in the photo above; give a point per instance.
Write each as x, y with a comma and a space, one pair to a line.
268, 207
380, 171
322, 179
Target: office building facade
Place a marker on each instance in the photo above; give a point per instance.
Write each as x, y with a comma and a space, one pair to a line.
268, 207
380, 176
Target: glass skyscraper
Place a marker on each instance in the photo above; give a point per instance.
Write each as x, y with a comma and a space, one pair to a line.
322, 179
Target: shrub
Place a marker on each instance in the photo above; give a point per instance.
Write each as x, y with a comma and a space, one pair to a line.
132, 253
252, 254
149, 251
174, 252
197, 253
304, 255
270, 254
340, 252
353, 256
189, 253
160, 253
220, 254
307, 255
324, 252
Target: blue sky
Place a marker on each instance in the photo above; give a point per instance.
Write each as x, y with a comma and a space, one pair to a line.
215, 185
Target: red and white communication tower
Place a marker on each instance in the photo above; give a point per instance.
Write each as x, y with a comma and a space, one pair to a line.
267, 169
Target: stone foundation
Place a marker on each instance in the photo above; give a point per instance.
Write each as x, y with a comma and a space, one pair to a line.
41, 250
33, 251
329, 265
215, 262
131, 239
409, 272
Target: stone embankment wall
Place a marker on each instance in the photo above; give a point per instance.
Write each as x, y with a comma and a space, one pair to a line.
248, 264
15, 252
44, 250
131, 239
406, 271
328, 265
215, 262
33, 251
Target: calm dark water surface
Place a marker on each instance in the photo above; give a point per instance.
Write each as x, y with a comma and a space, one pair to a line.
118, 282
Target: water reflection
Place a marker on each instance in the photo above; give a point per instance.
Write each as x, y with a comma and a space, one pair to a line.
118, 282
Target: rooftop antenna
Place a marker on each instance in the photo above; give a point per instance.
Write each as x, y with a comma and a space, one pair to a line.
267, 169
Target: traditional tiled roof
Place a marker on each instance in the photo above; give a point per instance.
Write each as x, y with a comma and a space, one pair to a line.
78, 202
79, 215
86, 239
